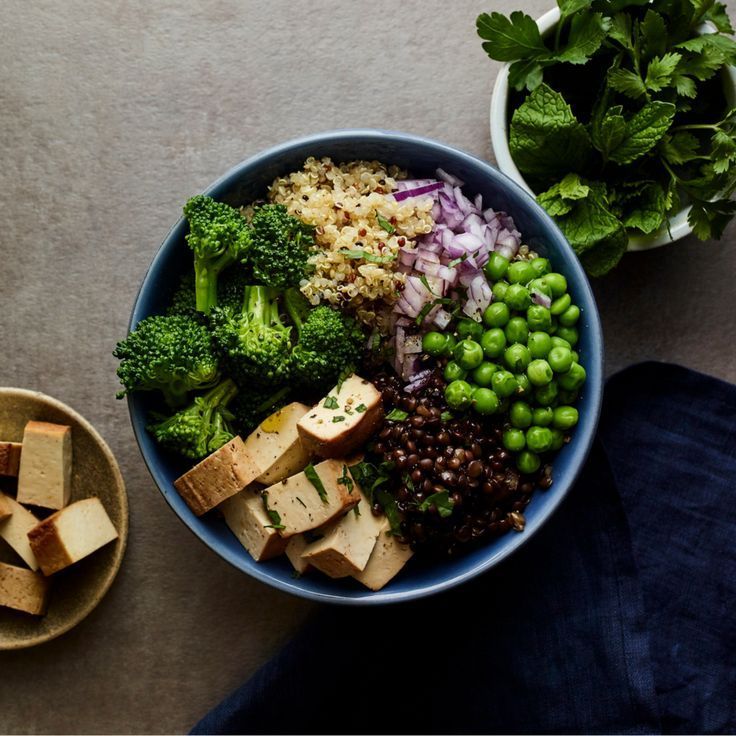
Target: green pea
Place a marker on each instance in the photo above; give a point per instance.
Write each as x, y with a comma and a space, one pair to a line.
434, 343
557, 282
565, 417
453, 372
542, 416
514, 440
517, 297
485, 401
484, 372
575, 357
538, 318
567, 397
539, 372
538, 439
468, 354
493, 342
568, 333
527, 462
541, 266
517, 357
503, 383
503, 407
540, 285
496, 315
560, 305
546, 395
521, 272
499, 290
470, 329
520, 415
517, 331
524, 387
558, 440
539, 344
451, 342
558, 342
458, 394
570, 316
496, 267
574, 378
560, 359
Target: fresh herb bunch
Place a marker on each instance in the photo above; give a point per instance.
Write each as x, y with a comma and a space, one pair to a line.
620, 117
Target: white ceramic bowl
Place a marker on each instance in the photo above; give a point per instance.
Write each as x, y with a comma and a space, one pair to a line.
679, 226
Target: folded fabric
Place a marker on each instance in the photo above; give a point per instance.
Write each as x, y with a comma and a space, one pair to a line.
616, 617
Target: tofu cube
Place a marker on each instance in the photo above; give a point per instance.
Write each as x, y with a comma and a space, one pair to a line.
45, 473
343, 420
386, 560
275, 448
71, 534
14, 530
23, 589
222, 474
347, 543
248, 520
294, 548
10, 458
298, 503
5, 508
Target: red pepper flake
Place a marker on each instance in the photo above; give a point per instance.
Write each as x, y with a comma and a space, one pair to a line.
380, 190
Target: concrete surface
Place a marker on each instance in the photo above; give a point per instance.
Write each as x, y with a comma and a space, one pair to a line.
111, 115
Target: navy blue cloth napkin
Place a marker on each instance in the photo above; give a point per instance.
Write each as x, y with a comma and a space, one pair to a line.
619, 616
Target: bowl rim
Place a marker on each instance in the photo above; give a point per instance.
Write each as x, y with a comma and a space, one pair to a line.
679, 226
582, 446
123, 529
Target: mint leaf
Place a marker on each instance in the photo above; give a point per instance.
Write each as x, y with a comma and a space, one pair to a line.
649, 213
608, 132
545, 137
709, 219
661, 70
509, 39
679, 148
627, 83
571, 187
559, 199
606, 254
643, 131
587, 32
526, 73
653, 34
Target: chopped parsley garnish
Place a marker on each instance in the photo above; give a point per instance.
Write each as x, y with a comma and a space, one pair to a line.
370, 478
441, 501
455, 261
446, 416
397, 415
356, 509
272, 514
346, 480
339, 418
331, 403
425, 283
360, 408
360, 254
348, 410
408, 482
385, 224
316, 481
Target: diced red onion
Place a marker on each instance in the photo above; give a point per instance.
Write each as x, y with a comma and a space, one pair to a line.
442, 318
402, 185
418, 381
469, 242
419, 191
478, 202
453, 181
539, 297
413, 344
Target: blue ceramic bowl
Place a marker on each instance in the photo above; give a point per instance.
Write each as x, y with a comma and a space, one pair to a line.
248, 181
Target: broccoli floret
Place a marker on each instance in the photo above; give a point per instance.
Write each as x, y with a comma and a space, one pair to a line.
251, 407
171, 354
203, 427
254, 344
231, 286
281, 247
184, 301
219, 235
329, 344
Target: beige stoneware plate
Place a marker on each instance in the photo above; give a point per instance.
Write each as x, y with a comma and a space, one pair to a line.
78, 589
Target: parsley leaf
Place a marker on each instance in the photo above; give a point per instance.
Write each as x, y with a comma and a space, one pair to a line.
653, 32
586, 36
397, 415
679, 148
385, 224
272, 514
512, 38
709, 219
345, 479
643, 131
339, 418
441, 501
316, 481
718, 16
360, 254
627, 83
546, 139
661, 70
331, 403
361, 408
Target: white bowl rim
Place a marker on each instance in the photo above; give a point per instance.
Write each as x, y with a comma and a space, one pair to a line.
678, 224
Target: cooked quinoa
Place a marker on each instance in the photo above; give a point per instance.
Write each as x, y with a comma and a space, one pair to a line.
343, 203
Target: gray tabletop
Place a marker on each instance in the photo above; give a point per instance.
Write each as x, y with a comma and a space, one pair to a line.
112, 114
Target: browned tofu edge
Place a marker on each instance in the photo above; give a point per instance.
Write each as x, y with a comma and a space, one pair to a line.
10, 458
38, 583
347, 443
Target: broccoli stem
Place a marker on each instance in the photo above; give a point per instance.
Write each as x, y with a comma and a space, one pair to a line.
206, 273
297, 307
222, 394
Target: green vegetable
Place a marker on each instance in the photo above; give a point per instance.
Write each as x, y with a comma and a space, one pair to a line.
496, 315
539, 344
560, 359
496, 267
542, 416
453, 372
573, 379
253, 404
470, 329
517, 330
538, 318
253, 341
468, 354
485, 401
493, 342
358, 254
517, 297
171, 354
371, 478
514, 440
565, 417
272, 513
528, 462
441, 501
397, 415
638, 129
538, 439
520, 415
385, 224
202, 427
434, 343
312, 476
219, 236
504, 383
329, 343
539, 372
458, 394
483, 374
517, 357
521, 272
